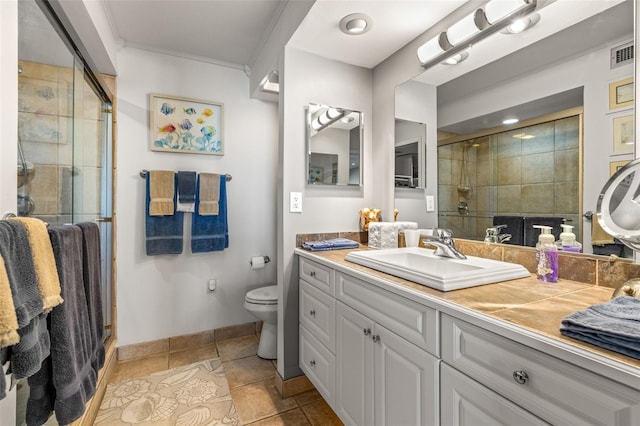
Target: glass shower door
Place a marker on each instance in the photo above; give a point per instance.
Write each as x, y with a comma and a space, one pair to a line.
91, 172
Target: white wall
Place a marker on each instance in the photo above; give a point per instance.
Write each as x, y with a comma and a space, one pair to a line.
308, 78
163, 296
416, 101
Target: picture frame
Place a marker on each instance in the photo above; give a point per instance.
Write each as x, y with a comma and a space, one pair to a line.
621, 93
614, 166
623, 134
183, 125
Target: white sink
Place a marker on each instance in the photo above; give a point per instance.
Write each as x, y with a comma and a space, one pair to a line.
421, 266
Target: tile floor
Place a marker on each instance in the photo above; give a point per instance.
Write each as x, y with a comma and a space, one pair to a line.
251, 380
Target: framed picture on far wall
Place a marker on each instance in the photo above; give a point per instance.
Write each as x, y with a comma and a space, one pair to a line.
614, 166
182, 125
621, 93
623, 139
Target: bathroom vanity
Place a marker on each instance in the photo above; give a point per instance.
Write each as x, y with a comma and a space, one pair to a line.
386, 351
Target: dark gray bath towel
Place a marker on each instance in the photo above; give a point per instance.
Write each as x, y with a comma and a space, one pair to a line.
614, 325
93, 287
71, 380
33, 347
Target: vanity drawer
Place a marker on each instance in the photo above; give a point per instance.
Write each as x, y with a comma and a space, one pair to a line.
318, 275
410, 320
556, 391
318, 364
318, 314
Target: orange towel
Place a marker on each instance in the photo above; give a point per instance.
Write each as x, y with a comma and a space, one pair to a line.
599, 236
8, 319
209, 194
161, 193
43, 261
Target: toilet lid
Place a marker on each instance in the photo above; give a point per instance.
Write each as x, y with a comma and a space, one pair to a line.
263, 295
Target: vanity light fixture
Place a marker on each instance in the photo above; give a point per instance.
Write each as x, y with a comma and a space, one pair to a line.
456, 59
522, 24
509, 121
326, 118
356, 24
494, 16
271, 83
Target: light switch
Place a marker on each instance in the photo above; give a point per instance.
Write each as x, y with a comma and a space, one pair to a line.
431, 203
295, 202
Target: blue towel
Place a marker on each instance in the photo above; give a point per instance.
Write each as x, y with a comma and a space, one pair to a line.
210, 233
163, 233
614, 325
333, 244
186, 191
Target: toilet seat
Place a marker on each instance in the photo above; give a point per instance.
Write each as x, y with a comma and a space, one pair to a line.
263, 295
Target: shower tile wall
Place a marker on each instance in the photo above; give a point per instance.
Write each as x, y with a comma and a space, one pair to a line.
45, 129
537, 176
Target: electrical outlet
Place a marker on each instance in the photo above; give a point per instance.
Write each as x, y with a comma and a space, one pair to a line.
431, 203
295, 202
212, 284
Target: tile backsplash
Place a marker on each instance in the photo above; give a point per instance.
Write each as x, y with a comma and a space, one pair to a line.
603, 271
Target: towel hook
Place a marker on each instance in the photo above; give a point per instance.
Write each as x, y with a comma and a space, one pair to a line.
143, 174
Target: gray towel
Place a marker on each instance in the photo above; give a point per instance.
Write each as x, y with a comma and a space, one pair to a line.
614, 325
33, 347
71, 380
92, 287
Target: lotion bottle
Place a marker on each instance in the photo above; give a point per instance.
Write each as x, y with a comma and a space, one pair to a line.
546, 255
567, 241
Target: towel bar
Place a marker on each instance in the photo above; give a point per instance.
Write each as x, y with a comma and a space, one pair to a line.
143, 174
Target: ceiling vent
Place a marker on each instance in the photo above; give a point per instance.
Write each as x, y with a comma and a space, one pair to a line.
622, 55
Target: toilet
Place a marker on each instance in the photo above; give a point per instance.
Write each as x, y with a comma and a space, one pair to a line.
263, 304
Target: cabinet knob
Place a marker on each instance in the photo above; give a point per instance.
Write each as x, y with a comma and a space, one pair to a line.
313, 274
312, 312
367, 331
312, 363
376, 338
520, 377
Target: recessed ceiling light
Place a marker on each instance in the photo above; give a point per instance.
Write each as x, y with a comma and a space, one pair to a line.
510, 121
356, 24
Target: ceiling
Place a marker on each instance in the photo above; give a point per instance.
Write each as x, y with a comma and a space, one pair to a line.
232, 32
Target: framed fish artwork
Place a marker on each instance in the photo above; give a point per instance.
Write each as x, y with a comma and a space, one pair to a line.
184, 125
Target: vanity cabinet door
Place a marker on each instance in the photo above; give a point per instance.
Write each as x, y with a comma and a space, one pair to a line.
406, 382
354, 359
465, 402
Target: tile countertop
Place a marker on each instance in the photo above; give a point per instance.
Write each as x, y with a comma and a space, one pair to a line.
528, 303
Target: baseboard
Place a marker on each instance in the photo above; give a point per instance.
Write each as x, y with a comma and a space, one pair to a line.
292, 387
187, 341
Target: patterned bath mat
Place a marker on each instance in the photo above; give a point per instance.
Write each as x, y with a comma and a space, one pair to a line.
193, 395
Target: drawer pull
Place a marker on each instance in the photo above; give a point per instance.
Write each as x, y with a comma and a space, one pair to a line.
367, 331
312, 363
376, 338
313, 274
312, 312
520, 377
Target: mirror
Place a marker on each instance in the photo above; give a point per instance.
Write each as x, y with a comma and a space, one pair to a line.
334, 138
410, 151
559, 70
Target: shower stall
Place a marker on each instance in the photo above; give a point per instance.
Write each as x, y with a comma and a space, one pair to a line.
64, 161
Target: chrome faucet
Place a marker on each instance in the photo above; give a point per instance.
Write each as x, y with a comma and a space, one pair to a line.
443, 241
493, 235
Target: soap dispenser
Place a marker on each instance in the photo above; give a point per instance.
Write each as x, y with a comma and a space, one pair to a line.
546, 255
567, 241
